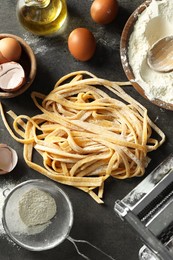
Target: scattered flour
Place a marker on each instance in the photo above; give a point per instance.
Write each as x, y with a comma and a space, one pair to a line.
4, 190
38, 44
154, 23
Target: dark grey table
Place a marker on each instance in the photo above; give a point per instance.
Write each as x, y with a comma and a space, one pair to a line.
95, 223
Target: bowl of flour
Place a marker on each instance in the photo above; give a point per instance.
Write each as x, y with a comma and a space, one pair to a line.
37, 215
150, 22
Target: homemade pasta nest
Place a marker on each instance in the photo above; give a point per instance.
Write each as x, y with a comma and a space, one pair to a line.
85, 136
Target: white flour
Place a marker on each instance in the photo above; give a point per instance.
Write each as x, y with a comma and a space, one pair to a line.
36, 207
153, 24
38, 44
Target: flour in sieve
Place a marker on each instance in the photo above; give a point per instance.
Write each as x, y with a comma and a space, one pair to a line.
36, 207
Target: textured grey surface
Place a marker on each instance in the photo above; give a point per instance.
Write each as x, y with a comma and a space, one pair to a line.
96, 223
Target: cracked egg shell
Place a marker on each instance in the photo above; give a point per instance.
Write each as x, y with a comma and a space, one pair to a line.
12, 76
8, 159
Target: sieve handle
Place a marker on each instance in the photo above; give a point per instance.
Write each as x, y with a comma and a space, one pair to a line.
74, 241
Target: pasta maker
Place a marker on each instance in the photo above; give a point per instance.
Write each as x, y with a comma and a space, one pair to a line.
148, 208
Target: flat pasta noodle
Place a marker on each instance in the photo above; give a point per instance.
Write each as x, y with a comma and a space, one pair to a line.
85, 136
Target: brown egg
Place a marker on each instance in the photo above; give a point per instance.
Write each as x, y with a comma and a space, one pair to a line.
81, 44
104, 11
10, 50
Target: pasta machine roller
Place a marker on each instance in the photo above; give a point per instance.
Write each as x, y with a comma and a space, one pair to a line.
148, 208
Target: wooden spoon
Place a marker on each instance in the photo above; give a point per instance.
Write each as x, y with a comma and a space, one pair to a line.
160, 55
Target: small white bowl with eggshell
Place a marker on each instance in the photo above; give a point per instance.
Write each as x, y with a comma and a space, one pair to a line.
17, 66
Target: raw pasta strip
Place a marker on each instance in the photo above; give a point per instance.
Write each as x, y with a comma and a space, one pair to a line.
84, 136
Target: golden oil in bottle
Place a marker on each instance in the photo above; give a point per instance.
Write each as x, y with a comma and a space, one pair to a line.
42, 17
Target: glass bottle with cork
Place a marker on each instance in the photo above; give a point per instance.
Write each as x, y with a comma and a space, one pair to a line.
42, 17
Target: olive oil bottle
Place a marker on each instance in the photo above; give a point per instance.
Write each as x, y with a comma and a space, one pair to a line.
42, 17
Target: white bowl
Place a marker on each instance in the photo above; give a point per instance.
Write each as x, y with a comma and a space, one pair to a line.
124, 45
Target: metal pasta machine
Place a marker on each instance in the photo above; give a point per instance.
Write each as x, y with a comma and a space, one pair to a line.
148, 208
